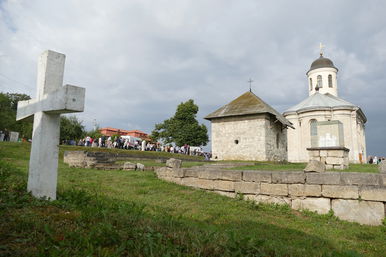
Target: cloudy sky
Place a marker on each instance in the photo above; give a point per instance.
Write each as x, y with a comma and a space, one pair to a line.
139, 59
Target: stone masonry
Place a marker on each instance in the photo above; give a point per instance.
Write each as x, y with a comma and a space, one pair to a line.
103, 160
254, 137
332, 157
357, 197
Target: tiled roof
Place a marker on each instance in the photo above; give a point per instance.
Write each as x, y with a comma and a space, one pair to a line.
247, 104
320, 101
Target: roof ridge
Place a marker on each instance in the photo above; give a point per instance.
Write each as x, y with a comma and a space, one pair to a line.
247, 104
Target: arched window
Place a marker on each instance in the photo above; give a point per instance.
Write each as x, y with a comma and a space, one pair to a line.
320, 82
314, 133
310, 84
277, 140
330, 80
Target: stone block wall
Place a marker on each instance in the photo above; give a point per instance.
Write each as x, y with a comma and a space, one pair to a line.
106, 160
333, 157
357, 197
84, 159
276, 141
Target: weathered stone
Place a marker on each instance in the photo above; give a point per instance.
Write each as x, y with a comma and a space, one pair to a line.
355, 178
191, 173
206, 184
315, 158
227, 194
289, 177
314, 153
247, 187
178, 173
257, 176
220, 174
304, 190
383, 179
327, 178
335, 153
272, 199
382, 167
173, 179
323, 153
346, 192
161, 171
140, 167
190, 181
363, 212
329, 166
174, 163
129, 166
274, 189
223, 185
334, 160
315, 166
320, 205
373, 193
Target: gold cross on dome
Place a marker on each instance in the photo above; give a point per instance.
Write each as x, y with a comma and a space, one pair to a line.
321, 46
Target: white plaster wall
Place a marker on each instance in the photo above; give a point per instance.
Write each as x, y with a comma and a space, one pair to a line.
324, 72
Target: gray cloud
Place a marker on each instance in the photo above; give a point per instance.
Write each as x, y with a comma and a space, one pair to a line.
139, 59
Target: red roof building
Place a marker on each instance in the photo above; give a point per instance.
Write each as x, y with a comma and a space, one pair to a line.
108, 131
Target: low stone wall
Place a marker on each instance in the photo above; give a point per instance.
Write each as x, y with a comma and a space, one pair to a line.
358, 197
84, 159
106, 160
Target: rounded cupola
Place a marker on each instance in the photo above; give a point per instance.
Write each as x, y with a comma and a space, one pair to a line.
322, 62
322, 76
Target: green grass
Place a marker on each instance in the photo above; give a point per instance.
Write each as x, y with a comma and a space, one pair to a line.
133, 153
368, 168
120, 213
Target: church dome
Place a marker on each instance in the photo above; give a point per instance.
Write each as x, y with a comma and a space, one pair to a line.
322, 62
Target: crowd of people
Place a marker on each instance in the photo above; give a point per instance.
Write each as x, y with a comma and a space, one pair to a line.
375, 159
132, 143
4, 135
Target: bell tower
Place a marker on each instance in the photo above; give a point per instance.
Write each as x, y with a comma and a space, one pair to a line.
322, 74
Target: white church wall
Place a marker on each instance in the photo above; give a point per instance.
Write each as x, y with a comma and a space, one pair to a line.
299, 139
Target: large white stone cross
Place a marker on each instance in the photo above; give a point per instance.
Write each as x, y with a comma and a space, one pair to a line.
52, 100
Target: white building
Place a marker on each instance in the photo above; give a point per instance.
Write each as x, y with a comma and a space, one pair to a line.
323, 106
248, 129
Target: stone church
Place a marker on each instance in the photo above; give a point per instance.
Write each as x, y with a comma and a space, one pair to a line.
325, 120
248, 129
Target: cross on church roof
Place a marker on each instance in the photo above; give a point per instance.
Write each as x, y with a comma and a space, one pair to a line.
250, 84
321, 46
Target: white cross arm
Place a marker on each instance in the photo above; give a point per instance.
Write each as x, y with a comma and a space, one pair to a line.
64, 100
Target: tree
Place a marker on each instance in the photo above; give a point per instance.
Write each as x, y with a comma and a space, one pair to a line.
71, 128
182, 128
8, 108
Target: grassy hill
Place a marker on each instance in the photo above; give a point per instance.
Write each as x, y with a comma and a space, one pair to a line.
128, 213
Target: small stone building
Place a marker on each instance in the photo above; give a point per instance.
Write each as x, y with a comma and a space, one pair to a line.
248, 129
